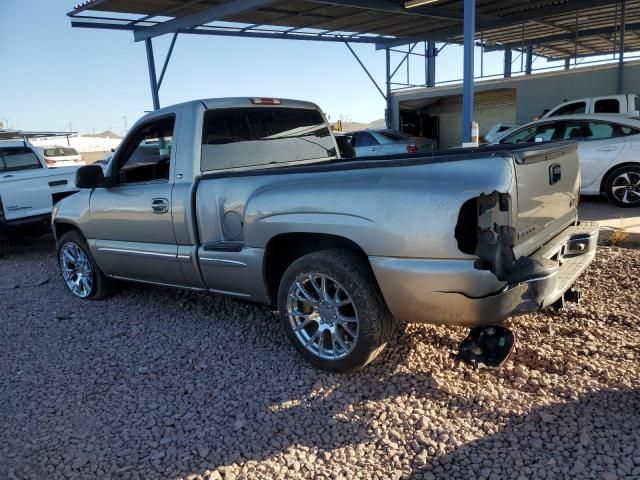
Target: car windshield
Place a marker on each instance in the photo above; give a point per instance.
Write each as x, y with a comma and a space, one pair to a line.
394, 136
59, 152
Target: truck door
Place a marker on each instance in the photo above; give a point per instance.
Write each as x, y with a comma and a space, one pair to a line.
131, 220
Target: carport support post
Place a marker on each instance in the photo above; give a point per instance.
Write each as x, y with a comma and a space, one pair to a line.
467, 89
152, 74
529, 60
388, 98
508, 61
623, 15
431, 63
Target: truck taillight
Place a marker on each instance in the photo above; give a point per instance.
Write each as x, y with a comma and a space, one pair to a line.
412, 148
79, 159
49, 162
266, 101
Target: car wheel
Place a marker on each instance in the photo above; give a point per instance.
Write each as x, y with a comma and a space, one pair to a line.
80, 273
332, 310
623, 186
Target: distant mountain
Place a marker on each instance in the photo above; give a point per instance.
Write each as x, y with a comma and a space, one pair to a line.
105, 134
354, 126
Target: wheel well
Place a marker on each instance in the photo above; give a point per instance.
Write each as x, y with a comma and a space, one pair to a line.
603, 184
60, 229
282, 250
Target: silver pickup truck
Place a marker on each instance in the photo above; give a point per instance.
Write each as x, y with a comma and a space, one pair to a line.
250, 198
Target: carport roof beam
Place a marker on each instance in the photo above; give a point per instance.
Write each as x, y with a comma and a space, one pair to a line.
385, 22
219, 12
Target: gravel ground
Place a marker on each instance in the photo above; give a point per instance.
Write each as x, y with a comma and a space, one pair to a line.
156, 383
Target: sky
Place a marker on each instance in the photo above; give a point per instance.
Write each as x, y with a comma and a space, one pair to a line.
53, 76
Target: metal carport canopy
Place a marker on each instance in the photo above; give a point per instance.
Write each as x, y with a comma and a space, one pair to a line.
557, 28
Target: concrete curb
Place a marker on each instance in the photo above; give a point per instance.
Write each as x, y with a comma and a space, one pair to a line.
618, 238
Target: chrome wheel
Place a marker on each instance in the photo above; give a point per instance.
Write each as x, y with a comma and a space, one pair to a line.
626, 187
76, 270
323, 316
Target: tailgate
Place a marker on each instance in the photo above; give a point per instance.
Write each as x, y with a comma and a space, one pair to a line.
548, 185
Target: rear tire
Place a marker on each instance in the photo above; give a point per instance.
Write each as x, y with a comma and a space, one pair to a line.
623, 186
80, 272
332, 310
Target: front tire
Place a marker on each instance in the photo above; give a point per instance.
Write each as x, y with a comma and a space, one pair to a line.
623, 186
79, 270
332, 310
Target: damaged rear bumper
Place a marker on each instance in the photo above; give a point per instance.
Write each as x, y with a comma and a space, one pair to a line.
455, 292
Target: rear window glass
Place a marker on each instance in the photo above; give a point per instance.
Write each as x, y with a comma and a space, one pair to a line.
394, 136
628, 130
18, 158
59, 152
250, 137
609, 105
538, 133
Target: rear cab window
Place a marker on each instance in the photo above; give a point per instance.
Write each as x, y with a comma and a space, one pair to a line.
607, 105
13, 159
260, 136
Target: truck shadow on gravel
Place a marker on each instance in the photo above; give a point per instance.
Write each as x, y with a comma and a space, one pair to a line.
595, 436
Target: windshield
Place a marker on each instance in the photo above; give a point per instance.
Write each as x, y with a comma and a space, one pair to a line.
59, 152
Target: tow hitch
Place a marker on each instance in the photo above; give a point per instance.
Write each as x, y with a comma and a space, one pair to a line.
570, 296
487, 347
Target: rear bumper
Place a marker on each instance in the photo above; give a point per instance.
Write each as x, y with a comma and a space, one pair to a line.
454, 292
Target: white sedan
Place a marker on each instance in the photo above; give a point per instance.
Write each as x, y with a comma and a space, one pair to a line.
608, 148
376, 142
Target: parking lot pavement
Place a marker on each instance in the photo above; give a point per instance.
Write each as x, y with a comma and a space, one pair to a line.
156, 383
611, 218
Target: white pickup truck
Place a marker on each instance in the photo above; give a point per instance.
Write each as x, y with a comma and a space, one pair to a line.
28, 189
627, 105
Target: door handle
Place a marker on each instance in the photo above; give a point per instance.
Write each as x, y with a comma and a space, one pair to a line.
607, 149
8, 176
160, 205
555, 173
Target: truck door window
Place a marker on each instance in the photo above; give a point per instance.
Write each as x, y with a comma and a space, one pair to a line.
258, 136
570, 109
607, 105
146, 156
18, 158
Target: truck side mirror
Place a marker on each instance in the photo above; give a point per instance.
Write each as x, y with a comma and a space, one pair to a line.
90, 176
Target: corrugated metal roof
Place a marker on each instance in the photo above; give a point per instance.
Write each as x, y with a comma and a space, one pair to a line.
548, 25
